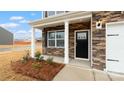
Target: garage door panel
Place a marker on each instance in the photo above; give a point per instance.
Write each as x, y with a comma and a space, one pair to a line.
116, 67
115, 47
112, 54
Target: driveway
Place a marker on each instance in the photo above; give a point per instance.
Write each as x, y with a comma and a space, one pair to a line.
74, 73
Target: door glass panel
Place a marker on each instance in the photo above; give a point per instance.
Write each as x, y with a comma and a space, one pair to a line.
81, 36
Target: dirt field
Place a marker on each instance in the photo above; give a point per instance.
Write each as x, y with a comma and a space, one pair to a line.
16, 44
19, 44
6, 57
5, 66
22, 43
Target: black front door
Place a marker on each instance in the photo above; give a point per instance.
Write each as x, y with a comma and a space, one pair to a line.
82, 44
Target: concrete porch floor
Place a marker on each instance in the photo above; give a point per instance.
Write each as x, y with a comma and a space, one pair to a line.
73, 62
79, 70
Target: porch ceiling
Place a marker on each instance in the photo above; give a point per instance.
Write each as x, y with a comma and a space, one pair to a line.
72, 17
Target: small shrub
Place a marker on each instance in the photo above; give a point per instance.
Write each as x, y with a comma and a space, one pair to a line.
38, 56
41, 58
27, 54
36, 65
24, 60
26, 57
50, 60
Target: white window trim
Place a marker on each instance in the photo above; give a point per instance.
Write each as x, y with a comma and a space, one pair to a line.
54, 39
43, 14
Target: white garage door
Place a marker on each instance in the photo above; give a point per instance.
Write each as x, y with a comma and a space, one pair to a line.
115, 47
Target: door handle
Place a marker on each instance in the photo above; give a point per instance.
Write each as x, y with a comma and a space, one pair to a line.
113, 60
113, 35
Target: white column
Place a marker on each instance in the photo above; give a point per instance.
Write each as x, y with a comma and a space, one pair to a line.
41, 39
33, 43
66, 42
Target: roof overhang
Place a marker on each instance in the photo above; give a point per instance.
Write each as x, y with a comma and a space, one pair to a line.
60, 19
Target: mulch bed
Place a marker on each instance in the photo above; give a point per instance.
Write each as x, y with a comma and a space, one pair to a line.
39, 70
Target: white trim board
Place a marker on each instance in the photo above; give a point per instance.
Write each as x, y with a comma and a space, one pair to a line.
61, 19
91, 46
112, 23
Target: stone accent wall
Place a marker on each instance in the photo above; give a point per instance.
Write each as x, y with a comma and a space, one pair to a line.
72, 28
60, 51
98, 36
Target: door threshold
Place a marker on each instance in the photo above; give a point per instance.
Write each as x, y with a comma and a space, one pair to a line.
82, 59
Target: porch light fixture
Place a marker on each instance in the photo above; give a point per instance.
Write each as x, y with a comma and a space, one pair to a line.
99, 24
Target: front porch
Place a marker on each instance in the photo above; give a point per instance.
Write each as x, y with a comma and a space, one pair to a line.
73, 62
70, 24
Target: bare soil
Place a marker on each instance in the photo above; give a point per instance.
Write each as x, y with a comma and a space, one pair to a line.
22, 43
19, 44
40, 70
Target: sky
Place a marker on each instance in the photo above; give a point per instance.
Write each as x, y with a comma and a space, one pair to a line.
17, 23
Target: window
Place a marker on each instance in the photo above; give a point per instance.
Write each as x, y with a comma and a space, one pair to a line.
51, 35
56, 39
51, 38
60, 39
59, 12
51, 13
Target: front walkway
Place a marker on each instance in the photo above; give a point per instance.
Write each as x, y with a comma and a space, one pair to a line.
78, 70
75, 73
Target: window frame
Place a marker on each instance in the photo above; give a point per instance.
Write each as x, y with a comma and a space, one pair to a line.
59, 13
55, 31
54, 13
48, 12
